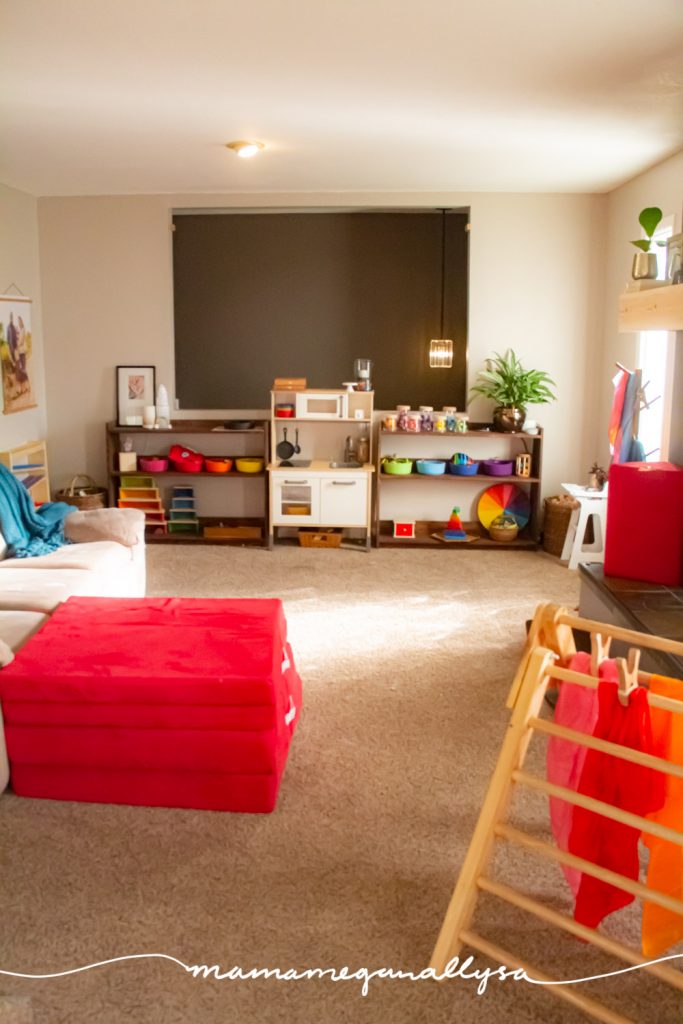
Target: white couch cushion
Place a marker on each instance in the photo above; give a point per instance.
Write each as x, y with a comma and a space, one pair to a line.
18, 627
99, 556
42, 590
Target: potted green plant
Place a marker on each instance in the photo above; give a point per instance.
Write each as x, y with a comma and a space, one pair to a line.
645, 260
512, 388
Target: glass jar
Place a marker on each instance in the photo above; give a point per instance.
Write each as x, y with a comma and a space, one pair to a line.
390, 422
402, 416
461, 423
450, 411
413, 422
426, 424
439, 422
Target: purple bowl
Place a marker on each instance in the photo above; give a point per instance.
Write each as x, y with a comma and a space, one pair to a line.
498, 467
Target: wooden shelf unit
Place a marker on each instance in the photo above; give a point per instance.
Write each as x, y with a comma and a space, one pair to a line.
28, 463
652, 309
160, 441
427, 446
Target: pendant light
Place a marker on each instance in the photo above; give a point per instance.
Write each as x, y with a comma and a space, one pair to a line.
441, 349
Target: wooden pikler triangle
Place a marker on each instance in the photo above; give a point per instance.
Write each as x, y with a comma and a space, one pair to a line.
550, 643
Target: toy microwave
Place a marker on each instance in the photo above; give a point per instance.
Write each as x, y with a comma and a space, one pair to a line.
322, 405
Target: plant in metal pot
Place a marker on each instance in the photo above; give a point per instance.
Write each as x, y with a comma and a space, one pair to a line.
512, 388
645, 260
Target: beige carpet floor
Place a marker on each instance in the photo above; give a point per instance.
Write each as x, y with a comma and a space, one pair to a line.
406, 659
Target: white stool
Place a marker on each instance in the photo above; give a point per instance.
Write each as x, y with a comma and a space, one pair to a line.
592, 505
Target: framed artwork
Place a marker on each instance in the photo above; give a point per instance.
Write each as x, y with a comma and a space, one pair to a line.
674, 260
135, 387
16, 350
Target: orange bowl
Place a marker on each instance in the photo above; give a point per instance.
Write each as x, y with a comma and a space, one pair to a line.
217, 465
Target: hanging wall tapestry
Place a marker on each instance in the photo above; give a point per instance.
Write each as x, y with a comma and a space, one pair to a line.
15, 353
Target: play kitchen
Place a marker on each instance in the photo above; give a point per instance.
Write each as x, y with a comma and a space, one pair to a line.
321, 473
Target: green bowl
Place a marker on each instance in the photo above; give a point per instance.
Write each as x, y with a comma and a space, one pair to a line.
397, 467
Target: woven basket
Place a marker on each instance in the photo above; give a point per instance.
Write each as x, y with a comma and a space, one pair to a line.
320, 539
558, 512
85, 496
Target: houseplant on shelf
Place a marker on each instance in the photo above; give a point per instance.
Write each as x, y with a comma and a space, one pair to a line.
512, 388
645, 260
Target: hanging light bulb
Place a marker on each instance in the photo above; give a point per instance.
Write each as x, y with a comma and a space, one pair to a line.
441, 349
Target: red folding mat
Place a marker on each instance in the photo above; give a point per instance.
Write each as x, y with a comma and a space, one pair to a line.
162, 702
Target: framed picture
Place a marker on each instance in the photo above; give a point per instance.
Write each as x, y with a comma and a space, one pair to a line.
16, 349
135, 387
674, 262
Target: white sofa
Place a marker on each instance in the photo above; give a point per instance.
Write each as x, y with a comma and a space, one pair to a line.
32, 588
111, 567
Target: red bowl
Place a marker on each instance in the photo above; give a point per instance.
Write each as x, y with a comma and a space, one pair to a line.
185, 460
283, 410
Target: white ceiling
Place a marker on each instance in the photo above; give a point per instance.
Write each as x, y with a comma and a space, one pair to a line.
139, 96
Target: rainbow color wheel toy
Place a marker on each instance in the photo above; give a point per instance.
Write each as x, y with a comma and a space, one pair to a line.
504, 498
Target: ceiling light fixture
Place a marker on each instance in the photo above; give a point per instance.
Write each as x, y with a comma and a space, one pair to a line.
441, 349
245, 148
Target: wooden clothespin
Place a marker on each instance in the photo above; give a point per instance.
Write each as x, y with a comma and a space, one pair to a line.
627, 669
600, 645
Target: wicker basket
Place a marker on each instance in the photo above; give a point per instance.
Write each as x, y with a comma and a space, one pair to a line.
319, 539
558, 512
85, 496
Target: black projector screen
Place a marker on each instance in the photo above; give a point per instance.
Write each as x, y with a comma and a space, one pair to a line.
265, 295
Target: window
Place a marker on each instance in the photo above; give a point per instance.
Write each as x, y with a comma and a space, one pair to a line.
655, 359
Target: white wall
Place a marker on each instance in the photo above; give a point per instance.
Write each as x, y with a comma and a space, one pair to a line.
660, 186
19, 265
536, 285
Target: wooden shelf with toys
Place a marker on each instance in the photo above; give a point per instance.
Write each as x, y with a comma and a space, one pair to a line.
480, 497
231, 449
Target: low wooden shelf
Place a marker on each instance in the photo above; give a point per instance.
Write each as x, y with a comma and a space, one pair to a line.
424, 529
160, 441
426, 445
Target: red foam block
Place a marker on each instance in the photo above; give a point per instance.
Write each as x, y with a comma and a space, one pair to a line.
644, 535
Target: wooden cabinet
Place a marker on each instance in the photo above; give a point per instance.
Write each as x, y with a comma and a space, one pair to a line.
320, 498
28, 462
314, 486
480, 442
235, 503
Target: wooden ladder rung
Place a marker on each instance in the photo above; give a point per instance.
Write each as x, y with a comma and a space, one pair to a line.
589, 803
544, 849
568, 924
582, 739
500, 956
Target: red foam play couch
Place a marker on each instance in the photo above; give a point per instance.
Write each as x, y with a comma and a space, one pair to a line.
165, 701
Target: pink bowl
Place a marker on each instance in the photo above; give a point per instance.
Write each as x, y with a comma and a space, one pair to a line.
153, 463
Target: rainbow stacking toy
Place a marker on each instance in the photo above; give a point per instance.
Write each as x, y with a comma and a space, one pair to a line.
454, 530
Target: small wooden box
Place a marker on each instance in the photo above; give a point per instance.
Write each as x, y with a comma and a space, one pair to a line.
289, 384
128, 461
404, 529
243, 532
523, 465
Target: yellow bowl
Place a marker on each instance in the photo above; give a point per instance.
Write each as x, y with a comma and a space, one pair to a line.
249, 465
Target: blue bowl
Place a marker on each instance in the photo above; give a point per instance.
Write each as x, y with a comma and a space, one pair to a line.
431, 467
463, 468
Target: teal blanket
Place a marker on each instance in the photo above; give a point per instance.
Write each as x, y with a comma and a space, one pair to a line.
28, 530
